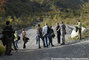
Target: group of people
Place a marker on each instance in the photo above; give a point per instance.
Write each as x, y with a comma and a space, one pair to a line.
10, 38
47, 34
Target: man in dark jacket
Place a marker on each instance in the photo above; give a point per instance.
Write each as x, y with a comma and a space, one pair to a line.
58, 32
8, 35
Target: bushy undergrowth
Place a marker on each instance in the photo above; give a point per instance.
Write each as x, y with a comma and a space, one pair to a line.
2, 48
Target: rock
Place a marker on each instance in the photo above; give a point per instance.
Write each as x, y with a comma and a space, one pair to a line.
84, 30
74, 33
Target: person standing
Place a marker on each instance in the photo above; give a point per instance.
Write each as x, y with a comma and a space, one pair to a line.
16, 39
50, 36
79, 28
13, 39
45, 34
39, 35
8, 35
58, 32
63, 33
24, 37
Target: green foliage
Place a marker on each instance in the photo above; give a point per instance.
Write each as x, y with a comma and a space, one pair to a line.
24, 13
31, 7
2, 49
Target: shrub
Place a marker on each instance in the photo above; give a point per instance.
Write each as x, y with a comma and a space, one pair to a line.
2, 49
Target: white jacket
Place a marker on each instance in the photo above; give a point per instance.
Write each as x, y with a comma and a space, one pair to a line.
45, 28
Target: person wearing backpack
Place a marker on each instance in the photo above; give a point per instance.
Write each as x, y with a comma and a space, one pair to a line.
8, 32
51, 35
39, 35
63, 33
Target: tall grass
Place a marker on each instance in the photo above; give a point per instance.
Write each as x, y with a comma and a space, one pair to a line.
2, 48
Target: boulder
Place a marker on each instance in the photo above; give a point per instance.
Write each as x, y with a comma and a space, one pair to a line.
74, 33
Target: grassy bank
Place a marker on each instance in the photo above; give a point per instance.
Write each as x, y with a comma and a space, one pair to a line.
2, 48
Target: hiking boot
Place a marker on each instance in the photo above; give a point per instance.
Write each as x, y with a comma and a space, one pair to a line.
52, 45
39, 47
63, 44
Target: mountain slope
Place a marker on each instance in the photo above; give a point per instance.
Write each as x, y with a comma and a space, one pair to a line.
26, 7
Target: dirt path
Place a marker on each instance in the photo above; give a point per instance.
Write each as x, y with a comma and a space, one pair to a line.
74, 50
77, 49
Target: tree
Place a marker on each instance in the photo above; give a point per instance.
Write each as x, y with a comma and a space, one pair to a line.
2, 5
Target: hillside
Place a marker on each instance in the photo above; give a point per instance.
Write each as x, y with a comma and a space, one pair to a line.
29, 7
25, 7
23, 13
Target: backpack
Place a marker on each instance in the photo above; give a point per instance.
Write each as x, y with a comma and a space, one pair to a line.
48, 30
52, 33
25, 39
18, 37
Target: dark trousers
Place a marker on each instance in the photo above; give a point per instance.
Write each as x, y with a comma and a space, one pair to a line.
8, 46
58, 38
79, 33
46, 40
24, 45
14, 44
79, 29
50, 40
63, 38
42, 38
24, 40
